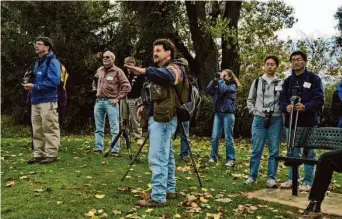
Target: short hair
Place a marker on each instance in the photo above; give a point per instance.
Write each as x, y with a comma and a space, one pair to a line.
47, 41
275, 59
302, 54
111, 54
130, 59
167, 45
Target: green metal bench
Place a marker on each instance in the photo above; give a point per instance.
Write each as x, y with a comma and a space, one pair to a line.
325, 138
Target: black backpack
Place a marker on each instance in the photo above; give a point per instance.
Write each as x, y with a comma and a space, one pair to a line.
190, 110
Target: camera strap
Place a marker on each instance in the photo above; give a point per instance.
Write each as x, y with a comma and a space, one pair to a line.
263, 93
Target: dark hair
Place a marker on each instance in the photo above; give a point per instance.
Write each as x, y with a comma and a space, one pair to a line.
47, 41
275, 59
167, 45
302, 54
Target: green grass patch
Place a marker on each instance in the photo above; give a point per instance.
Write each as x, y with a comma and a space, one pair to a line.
69, 188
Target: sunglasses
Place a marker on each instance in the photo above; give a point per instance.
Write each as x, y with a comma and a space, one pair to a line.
105, 57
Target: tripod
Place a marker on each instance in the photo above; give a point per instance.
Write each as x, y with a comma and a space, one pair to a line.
191, 155
292, 137
123, 132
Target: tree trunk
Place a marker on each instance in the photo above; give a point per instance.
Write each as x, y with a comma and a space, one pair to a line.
204, 45
230, 44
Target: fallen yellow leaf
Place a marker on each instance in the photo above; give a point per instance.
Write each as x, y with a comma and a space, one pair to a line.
149, 210
99, 196
116, 212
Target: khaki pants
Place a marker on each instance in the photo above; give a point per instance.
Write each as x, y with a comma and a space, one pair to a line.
45, 127
128, 110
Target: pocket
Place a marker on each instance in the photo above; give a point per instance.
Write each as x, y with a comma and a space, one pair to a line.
164, 111
158, 93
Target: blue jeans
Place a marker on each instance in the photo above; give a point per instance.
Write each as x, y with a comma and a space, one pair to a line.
184, 145
103, 107
225, 120
309, 170
161, 159
259, 135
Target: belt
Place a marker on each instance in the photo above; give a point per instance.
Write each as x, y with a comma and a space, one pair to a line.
104, 98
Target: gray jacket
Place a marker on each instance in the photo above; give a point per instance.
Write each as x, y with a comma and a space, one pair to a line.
257, 100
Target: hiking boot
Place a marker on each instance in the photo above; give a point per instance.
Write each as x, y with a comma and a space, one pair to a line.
230, 163
271, 183
97, 151
249, 181
114, 154
169, 195
287, 184
150, 203
305, 188
313, 210
48, 160
35, 160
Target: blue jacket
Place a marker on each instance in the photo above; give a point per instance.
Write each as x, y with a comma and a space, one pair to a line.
224, 95
312, 96
45, 80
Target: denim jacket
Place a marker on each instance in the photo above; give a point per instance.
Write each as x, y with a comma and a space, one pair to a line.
224, 95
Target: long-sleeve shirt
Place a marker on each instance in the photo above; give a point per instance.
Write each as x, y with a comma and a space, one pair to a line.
111, 83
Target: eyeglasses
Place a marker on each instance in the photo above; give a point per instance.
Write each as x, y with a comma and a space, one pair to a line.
38, 44
296, 60
105, 57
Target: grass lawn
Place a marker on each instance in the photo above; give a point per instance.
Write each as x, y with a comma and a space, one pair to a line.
85, 185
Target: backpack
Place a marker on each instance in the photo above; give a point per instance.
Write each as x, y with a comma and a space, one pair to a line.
61, 90
189, 110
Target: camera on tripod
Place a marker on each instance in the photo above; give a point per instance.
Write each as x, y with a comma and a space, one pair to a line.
268, 116
145, 97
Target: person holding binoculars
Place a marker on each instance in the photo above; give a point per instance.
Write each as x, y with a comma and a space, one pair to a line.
223, 89
263, 102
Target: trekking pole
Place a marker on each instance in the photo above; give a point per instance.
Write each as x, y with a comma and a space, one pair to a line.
191, 155
136, 156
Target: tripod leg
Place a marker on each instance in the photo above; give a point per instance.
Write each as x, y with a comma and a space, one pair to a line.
191, 155
136, 156
114, 142
128, 143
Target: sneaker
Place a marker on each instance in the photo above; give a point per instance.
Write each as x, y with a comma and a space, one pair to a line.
35, 160
150, 203
287, 184
211, 160
305, 188
249, 181
48, 160
230, 163
185, 159
271, 183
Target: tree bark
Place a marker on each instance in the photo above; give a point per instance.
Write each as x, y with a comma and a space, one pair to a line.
204, 45
230, 44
